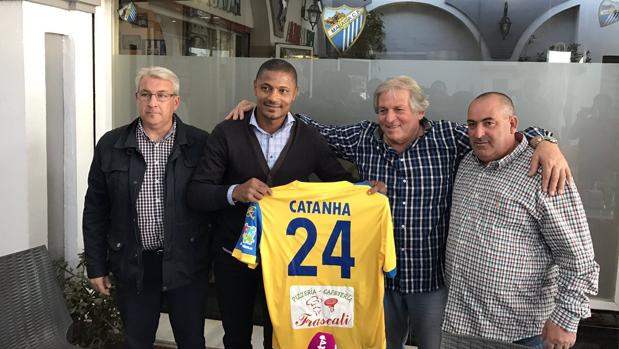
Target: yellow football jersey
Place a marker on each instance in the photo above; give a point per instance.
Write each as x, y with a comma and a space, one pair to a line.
324, 248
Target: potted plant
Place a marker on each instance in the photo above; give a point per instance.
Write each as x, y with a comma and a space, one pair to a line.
96, 320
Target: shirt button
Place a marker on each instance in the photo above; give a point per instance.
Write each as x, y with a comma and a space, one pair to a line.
404, 181
403, 226
156, 162
404, 203
402, 160
157, 200
156, 181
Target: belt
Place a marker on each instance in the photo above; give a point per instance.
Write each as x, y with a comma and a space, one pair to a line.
158, 250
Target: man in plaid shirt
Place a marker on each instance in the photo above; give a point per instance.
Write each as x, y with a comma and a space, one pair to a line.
417, 159
519, 262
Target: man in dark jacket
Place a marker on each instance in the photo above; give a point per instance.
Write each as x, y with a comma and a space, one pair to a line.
240, 164
137, 225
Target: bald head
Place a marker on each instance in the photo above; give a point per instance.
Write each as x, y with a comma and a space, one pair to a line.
498, 97
492, 126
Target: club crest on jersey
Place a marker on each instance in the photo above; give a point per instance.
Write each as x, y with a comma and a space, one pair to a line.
316, 306
608, 12
251, 212
249, 234
343, 25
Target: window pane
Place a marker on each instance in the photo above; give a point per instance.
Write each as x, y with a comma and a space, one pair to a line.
456, 51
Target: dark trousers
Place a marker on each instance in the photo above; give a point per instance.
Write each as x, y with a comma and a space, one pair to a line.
238, 288
140, 311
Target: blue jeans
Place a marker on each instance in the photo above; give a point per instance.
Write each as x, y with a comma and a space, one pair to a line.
533, 342
421, 312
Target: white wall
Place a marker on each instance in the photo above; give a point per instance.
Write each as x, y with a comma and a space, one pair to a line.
559, 28
600, 41
105, 20
13, 153
420, 31
24, 208
458, 16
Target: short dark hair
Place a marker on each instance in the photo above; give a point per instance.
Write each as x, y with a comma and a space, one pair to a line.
507, 101
276, 64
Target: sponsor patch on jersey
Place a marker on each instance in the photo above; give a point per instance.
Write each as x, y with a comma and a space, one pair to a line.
322, 340
249, 236
315, 306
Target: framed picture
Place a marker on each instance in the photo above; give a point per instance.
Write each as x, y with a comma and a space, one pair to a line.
155, 47
293, 51
279, 8
131, 42
142, 20
231, 6
199, 40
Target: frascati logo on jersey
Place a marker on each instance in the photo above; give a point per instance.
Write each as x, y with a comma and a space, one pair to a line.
343, 25
322, 340
317, 306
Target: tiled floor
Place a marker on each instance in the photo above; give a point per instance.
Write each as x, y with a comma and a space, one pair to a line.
599, 332
213, 333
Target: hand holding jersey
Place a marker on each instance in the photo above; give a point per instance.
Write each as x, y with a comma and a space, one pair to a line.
323, 248
251, 191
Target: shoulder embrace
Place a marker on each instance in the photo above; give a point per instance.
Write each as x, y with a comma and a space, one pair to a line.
367, 124
304, 130
446, 124
230, 125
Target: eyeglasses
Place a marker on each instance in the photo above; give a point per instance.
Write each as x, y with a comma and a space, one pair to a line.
145, 96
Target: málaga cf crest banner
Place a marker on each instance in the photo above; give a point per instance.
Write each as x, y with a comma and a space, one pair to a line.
608, 12
343, 25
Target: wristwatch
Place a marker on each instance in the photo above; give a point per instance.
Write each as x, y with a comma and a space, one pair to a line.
535, 141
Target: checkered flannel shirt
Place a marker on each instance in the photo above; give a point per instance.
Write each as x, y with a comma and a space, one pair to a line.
515, 256
419, 183
151, 199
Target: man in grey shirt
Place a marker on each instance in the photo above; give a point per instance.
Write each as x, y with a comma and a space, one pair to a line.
519, 263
